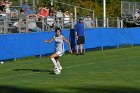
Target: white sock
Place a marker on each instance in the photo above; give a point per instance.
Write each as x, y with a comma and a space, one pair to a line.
59, 65
54, 62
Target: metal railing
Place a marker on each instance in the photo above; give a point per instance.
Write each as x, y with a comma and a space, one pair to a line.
129, 8
112, 22
9, 25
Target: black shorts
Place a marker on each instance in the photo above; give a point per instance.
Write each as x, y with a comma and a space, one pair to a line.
81, 40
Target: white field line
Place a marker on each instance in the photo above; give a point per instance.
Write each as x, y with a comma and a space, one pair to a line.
16, 76
64, 68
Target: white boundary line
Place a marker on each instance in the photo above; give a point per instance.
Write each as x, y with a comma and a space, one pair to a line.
78, 65
17, 76
64, 68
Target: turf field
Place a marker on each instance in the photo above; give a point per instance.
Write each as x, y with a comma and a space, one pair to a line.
108, 71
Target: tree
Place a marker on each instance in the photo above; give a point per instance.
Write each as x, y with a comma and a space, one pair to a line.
114, 9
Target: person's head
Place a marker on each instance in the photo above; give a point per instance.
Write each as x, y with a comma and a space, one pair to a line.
81, 19
59, 10
88, 16
58, 31
26, 2
52, 6
67, 13
21, 11
5, 1
44, 9
13, 14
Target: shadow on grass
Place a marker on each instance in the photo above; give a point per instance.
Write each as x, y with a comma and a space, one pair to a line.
35, 70
106, 89
10, 89
87, 89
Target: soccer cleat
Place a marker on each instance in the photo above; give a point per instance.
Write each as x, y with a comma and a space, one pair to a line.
77, 54
81, 53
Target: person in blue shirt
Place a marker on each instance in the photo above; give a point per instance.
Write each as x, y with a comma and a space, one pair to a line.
80, 36
26, 8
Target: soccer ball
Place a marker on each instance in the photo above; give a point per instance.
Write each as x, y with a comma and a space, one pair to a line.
1, 62
57, 71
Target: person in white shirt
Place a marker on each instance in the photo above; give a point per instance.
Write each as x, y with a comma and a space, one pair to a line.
59, 18
137, 14
89, 23
7, 5
66, 17
59, 47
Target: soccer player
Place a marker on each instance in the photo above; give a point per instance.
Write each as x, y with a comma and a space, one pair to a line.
59, 47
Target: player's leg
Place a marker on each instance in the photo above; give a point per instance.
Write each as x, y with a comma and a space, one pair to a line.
77, 49
54, 59
53, 56
81, 48
82, 41
58, 64
57, 61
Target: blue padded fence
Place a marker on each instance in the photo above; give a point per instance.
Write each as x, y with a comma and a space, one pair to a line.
31, 44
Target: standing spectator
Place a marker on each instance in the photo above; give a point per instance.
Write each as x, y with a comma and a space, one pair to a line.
22, 15
88, 21
26, 8
72, 20
137, 14
59, 14
22, 21
44, 12
52, 11
14, 17
66, 17
7, 5
80, 36
31, 23
51, 21
59, 18
2, 6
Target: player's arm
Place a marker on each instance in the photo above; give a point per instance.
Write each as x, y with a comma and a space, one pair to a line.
49, 41
70, 50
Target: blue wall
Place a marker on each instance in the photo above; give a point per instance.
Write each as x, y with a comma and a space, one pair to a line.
30, 44
111, 37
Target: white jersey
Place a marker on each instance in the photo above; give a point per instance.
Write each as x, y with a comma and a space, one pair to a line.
59, 44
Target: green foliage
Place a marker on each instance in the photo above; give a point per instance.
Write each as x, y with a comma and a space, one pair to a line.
113, 7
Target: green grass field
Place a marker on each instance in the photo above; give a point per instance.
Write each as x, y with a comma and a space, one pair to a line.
108, 71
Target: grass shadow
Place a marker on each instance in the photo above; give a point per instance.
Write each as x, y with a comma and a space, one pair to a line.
85, 89
11, 89
106, 89
35, 70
